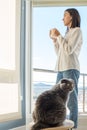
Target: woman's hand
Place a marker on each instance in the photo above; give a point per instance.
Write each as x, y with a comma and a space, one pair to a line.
54, 33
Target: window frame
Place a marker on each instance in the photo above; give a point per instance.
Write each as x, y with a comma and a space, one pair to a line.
20, 56
41, 3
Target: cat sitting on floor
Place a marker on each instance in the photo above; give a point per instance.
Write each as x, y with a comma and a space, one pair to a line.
50, 107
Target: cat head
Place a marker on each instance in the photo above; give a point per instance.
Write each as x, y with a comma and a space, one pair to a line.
67, 84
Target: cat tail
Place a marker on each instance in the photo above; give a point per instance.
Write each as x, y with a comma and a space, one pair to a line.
39, 126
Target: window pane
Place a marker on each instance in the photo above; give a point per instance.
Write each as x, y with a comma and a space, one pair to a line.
44, 19
7, 34
10, 60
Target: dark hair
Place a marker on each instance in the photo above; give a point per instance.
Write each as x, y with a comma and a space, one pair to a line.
75, 17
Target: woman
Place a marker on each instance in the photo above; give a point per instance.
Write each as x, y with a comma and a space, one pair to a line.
67, 49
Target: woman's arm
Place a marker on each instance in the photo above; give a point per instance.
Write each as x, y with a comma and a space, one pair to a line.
74, 41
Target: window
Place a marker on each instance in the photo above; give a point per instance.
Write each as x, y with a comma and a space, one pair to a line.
45, 18
37, 75
43, 51
12, 69
10, 102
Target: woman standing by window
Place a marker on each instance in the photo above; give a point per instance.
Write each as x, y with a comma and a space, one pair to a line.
67, 49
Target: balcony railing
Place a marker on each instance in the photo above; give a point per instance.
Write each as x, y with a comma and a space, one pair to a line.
43, 79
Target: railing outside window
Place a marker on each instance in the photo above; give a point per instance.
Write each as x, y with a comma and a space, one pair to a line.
44, 79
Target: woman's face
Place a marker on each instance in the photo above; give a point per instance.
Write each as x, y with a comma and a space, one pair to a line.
67, 19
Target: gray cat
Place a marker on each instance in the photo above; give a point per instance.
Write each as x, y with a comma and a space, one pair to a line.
50, 107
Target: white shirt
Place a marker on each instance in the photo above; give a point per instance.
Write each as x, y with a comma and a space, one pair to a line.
67, 49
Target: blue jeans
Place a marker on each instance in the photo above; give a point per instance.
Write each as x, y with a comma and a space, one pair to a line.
73, 98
